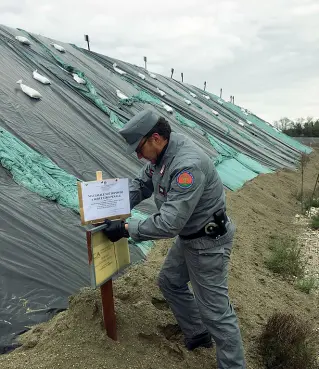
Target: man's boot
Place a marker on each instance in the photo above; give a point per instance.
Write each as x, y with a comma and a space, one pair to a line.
201, 340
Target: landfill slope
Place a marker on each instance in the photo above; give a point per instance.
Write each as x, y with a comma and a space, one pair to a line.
49, 144
148, 337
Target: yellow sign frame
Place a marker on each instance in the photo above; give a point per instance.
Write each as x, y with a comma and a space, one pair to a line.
106, 258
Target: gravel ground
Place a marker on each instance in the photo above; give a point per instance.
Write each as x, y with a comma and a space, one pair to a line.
309, 240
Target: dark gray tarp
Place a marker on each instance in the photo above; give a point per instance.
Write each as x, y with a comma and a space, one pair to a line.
43, 256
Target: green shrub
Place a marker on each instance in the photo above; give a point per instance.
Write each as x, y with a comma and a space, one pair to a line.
307, 284
288, 343
315, 222
309, 199
285, 258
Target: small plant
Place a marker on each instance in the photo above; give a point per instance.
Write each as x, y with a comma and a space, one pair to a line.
304, 161
315, 222
310, 202
307, 284
285, 258
288, 343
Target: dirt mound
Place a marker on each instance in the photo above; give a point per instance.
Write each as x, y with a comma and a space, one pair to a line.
148, 335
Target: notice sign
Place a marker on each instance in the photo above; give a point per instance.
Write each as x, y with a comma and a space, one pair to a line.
104, 199
106, 258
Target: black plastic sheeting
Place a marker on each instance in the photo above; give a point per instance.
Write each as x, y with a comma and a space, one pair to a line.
43, 256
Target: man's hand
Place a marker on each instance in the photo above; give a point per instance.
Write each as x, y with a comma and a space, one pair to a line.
115, 229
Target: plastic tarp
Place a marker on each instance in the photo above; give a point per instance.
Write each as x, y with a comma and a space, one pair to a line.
47, 145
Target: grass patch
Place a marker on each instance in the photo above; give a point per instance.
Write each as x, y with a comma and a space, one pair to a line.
314, 224
311, 203
307, 284
309, 199
285, 258
287, 342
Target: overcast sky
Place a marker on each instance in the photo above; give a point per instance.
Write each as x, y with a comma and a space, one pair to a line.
265, 53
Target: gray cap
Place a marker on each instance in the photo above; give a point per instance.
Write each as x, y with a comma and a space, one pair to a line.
138, 127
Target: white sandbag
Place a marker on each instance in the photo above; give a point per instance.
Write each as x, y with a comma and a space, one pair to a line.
215, 112
118, 70
241, 123
206, 97
220, 101
187, 102
167, 108
78, 79
249, 122
23, 40
192, 94
152, 75
58, 47
160, 92
40, 78
244, 111
29, 91
121, 95
141, 75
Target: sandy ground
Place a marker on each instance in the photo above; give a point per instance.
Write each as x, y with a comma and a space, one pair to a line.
148, 338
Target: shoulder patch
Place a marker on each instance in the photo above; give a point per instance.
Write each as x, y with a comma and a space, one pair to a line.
185, 179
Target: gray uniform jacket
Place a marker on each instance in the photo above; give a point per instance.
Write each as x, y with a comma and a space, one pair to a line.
187, 191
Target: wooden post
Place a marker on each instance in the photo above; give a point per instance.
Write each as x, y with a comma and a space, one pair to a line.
86, 38
109, 317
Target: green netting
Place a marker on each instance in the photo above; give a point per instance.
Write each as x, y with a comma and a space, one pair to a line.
260, 123
37, 173
270, 130
223, 149
234, 174
240, 167
40, 175
252, 164
88, 90
186, 122
145, 246
143, 97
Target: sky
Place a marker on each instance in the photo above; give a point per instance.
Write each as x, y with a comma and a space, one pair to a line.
264, 53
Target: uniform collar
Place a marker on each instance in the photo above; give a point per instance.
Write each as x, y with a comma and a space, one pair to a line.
168, 150
160, 156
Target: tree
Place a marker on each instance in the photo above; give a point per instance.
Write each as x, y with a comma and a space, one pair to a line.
306, 127
283, 124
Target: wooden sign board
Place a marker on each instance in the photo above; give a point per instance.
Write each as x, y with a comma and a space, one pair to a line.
101, 199
106, 258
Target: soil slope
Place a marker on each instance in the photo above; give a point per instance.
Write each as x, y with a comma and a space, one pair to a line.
148, 337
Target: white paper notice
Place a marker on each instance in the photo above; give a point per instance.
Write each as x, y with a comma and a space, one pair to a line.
106, 198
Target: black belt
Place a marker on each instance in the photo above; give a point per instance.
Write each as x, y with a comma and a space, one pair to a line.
214, 229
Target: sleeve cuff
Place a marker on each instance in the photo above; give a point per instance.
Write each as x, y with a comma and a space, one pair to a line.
133, 225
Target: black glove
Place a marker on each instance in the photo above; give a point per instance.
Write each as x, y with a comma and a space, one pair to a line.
115, 230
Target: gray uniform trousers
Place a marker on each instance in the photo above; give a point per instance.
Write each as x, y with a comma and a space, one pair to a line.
204, 262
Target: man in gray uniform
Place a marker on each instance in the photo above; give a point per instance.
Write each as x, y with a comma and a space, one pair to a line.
190, 198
